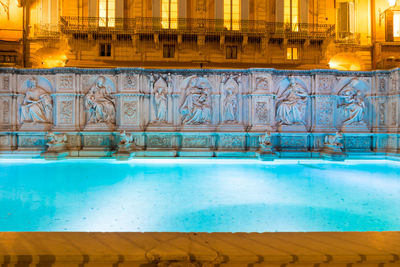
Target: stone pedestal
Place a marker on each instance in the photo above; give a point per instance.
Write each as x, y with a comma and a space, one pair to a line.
333, 154
98, 127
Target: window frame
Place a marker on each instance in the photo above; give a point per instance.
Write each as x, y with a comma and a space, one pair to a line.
167, 22
230, 23
109, 21
293, 26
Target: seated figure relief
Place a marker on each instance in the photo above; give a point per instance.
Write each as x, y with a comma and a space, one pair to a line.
291, 105
352, 104
196, 108
99, 104
37, 106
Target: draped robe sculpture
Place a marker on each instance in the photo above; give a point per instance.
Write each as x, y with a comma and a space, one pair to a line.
37, 106
99, 103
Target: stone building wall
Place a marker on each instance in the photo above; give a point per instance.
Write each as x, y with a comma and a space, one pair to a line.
198, 112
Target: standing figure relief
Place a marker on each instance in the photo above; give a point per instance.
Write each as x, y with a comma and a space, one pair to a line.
160, 100
37, 106
230, 101
99, 103
291, 105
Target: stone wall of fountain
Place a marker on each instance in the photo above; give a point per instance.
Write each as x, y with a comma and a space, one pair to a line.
199, 112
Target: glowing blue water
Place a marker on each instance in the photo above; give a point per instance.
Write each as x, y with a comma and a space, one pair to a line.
199, 195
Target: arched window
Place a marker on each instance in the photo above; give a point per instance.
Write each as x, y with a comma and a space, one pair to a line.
232, 14
291, 14
106, 13
169, 14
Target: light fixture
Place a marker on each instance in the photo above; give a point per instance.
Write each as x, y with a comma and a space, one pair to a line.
392, 2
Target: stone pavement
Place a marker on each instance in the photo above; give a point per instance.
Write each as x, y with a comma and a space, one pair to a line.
67, 249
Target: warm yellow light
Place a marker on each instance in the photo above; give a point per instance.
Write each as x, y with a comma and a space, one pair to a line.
392, 2
345, 61
107, 13
232, 14
169, 14
291, 14
53, 61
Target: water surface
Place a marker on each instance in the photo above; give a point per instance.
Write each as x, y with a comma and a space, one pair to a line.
213, 195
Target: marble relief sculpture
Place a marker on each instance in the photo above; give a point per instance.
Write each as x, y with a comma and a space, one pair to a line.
332, 147
196, 108
333, 142
266, 150
160, 100
353, 104
230, 103
291, 105
37, 106
125, 142
56, 142
99, 104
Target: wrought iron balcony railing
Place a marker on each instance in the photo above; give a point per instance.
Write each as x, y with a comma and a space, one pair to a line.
195, 26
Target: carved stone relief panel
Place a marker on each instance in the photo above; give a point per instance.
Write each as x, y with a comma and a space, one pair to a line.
195, 141
381, 84
230, 102
97, 140
393, 112
324, 84
352, 105
392, 142
160, 91
31, 141
232, 142
263, 84
5, 82
130, 82
290, 142
130, 110
358, 143
5, 110
5, 141
325, 107
65, 110
159, 141
196, 102
36, 103
99, 100
65, 83
381, 112
292, 103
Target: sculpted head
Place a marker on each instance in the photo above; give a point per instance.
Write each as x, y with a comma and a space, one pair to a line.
100, 81
32, 83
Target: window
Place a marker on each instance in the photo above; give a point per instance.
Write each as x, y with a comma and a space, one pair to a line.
168, 51
232, 14
292, 53
105, 50
231, 52
345, 20
169, 14
106, 13
291, 14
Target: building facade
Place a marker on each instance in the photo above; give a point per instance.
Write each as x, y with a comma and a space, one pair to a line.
295, 34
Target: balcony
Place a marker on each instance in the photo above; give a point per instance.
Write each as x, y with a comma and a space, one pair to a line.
131, 26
